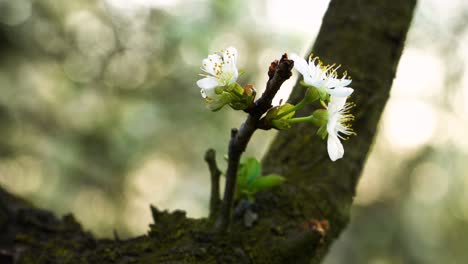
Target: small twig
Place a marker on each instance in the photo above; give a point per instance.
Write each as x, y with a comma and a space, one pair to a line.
210, 158
116, 236
278, 72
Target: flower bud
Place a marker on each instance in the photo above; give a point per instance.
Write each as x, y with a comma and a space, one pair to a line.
280, 124
243, 96
312, 95
249, 94
235, 88
319, 117
273, 114
217, 101
249, 90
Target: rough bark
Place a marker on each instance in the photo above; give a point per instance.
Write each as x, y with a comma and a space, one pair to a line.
367, 38
299, 220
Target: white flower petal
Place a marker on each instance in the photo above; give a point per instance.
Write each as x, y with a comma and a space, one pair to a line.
335, 82
334, 147
230, 73
300, 64
203, 93
336, 104
332, 121
212, 64
208, 83
232, 52
315, 70
317, 83
340, 91
209, 93
344, 82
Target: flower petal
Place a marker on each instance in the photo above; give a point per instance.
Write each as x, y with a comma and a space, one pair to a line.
208, 83
344, 82
212, 64
336, 104
209, 93
229, 68
340, 91
230, 54
300, 64
334, 147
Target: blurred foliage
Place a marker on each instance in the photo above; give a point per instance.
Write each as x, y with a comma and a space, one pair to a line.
100, 112
100, 115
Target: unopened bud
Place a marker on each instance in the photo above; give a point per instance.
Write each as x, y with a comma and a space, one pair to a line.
249, 89
277, 119
319, 117
280, 124
218, 101
312, 95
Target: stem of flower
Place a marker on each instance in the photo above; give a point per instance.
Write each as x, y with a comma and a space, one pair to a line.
292, 109
305, 119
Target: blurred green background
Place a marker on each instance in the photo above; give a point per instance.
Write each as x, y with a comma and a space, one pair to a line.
100, 115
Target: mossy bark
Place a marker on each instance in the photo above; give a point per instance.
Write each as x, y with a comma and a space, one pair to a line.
367, 38
299, 220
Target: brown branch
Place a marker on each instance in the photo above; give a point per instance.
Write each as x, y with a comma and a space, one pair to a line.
278, 72
210, 158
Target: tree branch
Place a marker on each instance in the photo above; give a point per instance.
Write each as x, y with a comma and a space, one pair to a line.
278, 72
210, 158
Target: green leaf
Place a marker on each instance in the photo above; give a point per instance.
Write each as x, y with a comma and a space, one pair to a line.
241, 177
253, 169
247, 172
266, 182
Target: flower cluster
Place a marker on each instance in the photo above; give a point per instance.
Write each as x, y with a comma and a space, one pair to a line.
323, 78
219, 87
324, 81
220, 69
338, 125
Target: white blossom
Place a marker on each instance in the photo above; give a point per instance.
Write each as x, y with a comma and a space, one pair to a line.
322, 77
215, 101
219, 70
337, 125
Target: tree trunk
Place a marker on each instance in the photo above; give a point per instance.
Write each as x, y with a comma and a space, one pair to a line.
297, 221
367, 38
